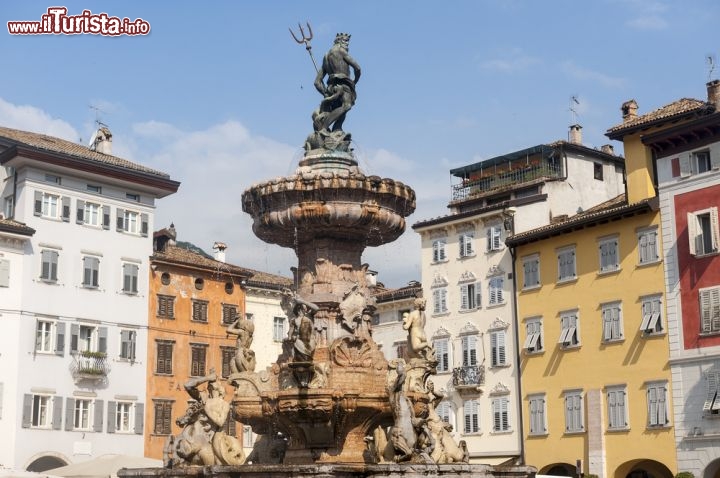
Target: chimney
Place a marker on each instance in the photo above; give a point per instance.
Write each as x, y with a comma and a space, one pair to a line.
607, 149
102, 141
713, 93
629, 110
219, 248
575, 134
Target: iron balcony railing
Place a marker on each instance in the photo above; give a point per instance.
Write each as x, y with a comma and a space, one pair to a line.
88, 364
469, 376
470, 188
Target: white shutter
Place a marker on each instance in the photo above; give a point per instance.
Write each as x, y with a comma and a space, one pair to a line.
652, 246
715, 309
464, 297
685, 165
705, 311
478, 295
652, 400
714, 229
712, 388
607, 324
692, 232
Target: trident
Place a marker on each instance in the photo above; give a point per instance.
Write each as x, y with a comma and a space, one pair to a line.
306, 41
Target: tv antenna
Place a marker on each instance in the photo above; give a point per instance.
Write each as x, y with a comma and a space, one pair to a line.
97, 115
710, 60
573, 111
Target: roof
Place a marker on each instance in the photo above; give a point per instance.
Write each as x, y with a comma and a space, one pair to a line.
185, 257
673, 111
382, 294
546, 150
460, 215
267, 280
15, 227
616, 207
44, 142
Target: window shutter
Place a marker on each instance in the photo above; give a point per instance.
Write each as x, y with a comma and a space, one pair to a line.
139, 418
705, 311
496, 415
4, 273
87, 271
652, 401
111, 411
98, 416
489, 239
69, 414
102, 339
464, 297
45, 265
120, 222
501, 348
106, 217
607, 324
53, 265
66, 208
714, 228
478, 295
652, 246
715, 309
692, 232
80, 217
74, 336
57, 413
435, 251
38, 203
27, 410
712, 388
60, 338
144, 224
685, 165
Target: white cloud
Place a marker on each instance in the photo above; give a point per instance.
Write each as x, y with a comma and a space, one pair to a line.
30, 118
586, 74
649, 22
510, 65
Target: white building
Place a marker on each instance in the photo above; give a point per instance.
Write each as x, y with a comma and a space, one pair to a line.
387, 329
468, 279
72, 366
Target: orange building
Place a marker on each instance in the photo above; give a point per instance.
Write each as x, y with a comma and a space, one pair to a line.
192, 300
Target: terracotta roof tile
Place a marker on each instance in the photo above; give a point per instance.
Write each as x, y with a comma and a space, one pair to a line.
676, 108
44, 142
386, 295
10, 225
260, 278
182, 256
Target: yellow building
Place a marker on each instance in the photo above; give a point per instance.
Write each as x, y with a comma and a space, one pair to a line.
595, 379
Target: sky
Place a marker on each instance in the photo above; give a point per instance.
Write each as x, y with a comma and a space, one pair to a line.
219, 95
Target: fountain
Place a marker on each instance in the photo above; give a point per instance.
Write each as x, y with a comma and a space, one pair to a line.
332, 404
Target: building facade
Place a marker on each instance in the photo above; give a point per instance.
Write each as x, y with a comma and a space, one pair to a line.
686, 153
467, 277
73, 356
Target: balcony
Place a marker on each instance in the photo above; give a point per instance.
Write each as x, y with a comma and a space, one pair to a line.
90, 365
503, 177
468, 378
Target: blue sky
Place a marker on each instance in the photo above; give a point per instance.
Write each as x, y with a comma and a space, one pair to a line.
219, 95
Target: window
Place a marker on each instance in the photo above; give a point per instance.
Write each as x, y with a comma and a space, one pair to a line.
42, 410
712, 400
81, 414
703, 231
51, 178
501, 415
608, 255
228, 355
401, 350
166, 306
130, 278
566, 264
49, 265
164, 358
44, 332
467, 247
472, 419
91, 272
128, 339
90, 213
612, 322
198, 355
442, 353
617, 409
199, 310
4, 273
537, 415
94, 189
648, 246
497, 348
493, 238
401, 314
229, 313
469, 350
598, 171
438, 251
199, 283
710, 310
657, 405
123, 417
133, 197
9, 207
495, 291
445, 412
470, 297
531, 271
651, 315
279, 329
163, 417
574, 412
127, 221
440, 300
701, 161
88, 338
533, 338
569, 335
247, 437
50, 206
